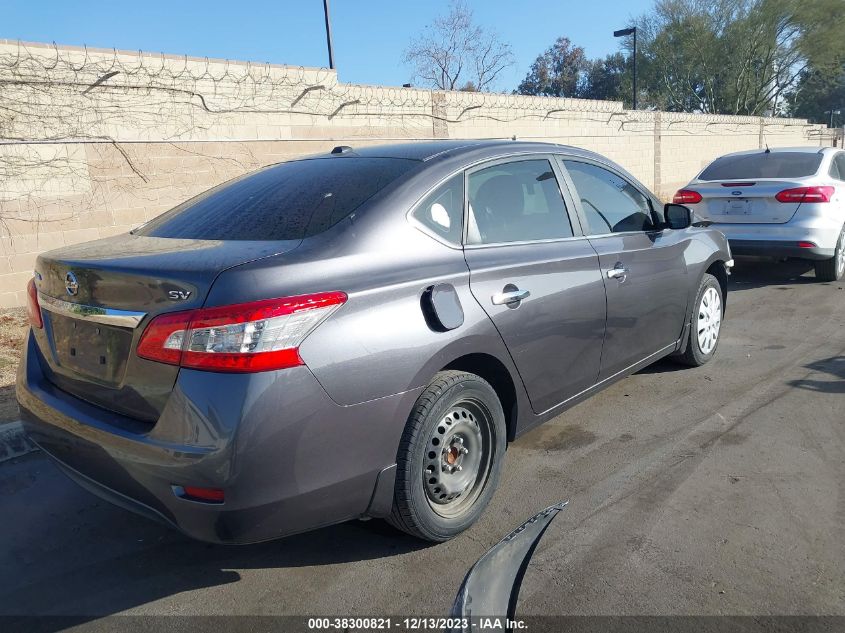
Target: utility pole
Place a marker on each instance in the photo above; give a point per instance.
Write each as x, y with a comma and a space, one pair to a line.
329, 34
622, 33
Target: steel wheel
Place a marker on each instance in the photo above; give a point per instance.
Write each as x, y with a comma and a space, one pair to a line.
449, 458
458, 458
709, 320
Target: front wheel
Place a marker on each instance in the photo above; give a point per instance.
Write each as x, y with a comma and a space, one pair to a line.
706, 324
449, 457
833, 269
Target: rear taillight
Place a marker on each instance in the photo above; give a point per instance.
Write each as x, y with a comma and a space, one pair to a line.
33, 310
806, 194
247, 337
686, 196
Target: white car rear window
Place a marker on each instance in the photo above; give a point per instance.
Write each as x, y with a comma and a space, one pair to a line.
763, 165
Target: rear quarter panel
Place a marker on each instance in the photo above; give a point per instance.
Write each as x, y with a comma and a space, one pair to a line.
378, 343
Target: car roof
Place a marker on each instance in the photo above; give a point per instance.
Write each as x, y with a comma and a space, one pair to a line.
429, 150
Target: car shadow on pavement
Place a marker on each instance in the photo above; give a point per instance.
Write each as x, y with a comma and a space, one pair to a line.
834, 366
75, 555
757, 273
663, 366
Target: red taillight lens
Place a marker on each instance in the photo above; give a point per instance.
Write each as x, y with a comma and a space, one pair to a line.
686, 196
806, 245
33, 310
162, 340
247, 337
806, 194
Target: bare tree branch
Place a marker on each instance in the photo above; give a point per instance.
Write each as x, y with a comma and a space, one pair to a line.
453, 46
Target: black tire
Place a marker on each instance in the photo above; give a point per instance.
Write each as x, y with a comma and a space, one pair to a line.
833, 269
693, 355
429, 442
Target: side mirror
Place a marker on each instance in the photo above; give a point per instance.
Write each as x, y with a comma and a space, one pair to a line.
677, 216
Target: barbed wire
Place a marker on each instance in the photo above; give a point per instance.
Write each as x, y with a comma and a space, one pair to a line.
115, 99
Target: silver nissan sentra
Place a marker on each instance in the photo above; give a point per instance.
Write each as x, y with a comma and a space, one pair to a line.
358, 334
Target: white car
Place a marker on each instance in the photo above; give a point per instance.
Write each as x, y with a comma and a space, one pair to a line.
779, 202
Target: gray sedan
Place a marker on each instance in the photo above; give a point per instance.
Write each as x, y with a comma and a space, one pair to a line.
357, 334
779, 202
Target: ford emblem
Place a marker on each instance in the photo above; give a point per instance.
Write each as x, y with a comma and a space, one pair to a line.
736, 193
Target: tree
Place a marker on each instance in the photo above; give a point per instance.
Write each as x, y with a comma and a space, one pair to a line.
818, 93
453, 53
606, 79
557, 72
736, 56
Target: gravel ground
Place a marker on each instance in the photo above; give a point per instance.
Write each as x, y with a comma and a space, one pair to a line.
13, 328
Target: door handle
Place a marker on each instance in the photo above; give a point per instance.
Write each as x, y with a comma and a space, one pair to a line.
509, 297
618, 272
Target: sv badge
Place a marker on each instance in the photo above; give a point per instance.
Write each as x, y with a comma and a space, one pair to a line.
178, 295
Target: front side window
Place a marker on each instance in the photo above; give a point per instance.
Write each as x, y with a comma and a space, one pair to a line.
442, 210
288, 201
516, 202
611, 203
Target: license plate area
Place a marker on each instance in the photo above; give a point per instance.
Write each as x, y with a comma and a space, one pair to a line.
92, 350
737, 207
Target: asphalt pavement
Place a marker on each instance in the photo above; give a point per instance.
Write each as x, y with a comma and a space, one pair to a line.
709, 491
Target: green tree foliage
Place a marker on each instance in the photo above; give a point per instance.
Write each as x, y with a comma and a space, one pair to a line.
557, 72
753, 57
736, 56
818, 93
609, 78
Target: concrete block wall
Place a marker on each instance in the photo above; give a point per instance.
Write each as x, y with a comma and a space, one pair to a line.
95, 142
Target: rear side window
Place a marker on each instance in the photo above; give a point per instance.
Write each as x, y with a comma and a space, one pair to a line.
763, 165
516, 202
837, 167
442, 210
289, 201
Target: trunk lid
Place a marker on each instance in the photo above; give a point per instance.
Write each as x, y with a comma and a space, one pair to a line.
97, 298
745, 201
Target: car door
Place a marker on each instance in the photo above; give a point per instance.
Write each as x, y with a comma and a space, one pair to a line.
643, 265
535, 275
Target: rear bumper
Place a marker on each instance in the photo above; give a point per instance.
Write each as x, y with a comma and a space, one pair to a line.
781, 240
288, 458
779, 249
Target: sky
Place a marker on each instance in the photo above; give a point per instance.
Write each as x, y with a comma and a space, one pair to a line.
370, 36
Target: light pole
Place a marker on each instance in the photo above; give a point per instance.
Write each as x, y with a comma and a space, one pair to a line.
622, 33
329, 34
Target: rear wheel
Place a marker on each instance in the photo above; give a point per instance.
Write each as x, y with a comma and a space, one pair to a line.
833, 269
449, 457
706, 323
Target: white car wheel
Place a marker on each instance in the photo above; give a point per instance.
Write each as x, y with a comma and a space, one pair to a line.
709, 320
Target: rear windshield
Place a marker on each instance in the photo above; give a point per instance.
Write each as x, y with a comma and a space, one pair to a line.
289, 201
763, 165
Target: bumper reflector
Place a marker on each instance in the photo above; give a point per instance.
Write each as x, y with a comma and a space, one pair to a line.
196, 493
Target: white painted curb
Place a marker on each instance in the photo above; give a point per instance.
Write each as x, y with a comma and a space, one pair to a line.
13, 441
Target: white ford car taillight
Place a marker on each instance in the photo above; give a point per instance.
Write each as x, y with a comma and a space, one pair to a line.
247, 337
